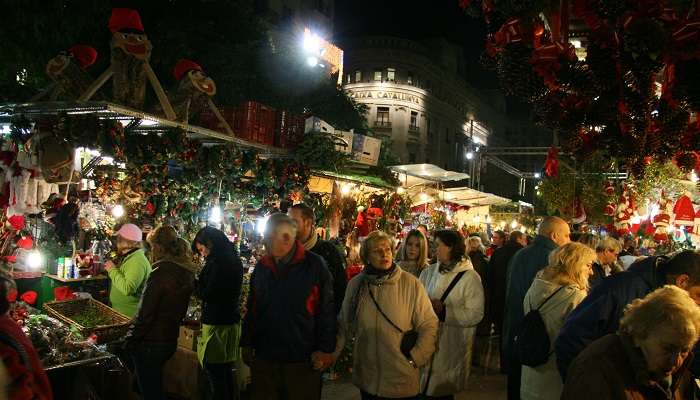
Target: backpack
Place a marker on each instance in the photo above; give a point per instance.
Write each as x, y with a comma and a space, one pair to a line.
531, 345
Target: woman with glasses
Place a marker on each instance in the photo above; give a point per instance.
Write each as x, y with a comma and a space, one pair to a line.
558, 289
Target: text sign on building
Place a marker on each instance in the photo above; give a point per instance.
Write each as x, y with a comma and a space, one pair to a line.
380, 94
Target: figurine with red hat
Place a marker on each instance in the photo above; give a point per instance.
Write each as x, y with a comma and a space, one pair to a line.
131, 51
193, 92
68, 71
662, 220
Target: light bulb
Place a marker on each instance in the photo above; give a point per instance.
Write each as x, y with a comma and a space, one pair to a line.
514, 224
477, 220
400, 190
118, 211
522, 229
35, 260
488, 219
423, 197
503, 224
345, 190
262, 224
215, 215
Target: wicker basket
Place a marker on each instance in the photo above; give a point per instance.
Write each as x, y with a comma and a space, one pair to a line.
65, 310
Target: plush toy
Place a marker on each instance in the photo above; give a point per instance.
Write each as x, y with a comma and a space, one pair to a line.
624, 212
662, 220
131, 51
362, 222
68, 72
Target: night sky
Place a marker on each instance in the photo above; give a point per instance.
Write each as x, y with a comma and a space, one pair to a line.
411, 20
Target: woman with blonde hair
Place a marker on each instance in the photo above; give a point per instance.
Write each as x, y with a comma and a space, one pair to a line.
413, 254
647, 358
556, 291
153, 338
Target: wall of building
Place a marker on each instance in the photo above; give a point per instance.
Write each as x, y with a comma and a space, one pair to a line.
407, 77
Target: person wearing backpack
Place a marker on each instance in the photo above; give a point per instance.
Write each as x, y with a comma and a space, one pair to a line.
556, 290
457, 295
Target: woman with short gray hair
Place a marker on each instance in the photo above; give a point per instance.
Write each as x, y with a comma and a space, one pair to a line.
647, 358
389, 314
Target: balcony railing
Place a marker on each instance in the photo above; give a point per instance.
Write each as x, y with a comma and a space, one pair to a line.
382, 124
414, 129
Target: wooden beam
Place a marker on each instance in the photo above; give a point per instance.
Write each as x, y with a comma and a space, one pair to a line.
220, 117
96, 85
162, 97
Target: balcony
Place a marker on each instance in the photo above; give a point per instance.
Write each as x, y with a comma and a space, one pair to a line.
382, 124
414, 130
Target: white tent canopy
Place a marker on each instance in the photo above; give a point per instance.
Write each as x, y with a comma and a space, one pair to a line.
423, 183
417, 174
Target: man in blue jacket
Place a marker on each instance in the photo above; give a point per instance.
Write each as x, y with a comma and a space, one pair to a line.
525, 264
600, 312
289, 330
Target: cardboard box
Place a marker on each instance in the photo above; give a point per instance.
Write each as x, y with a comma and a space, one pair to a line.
188, 338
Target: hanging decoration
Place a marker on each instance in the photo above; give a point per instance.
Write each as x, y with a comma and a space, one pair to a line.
629, 90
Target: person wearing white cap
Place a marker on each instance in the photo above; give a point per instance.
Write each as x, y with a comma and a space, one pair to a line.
129, 278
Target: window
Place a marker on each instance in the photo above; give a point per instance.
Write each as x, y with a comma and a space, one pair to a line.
383, 117
409, 78
358, 76
377, 76
347, 80
414, 120
390, 74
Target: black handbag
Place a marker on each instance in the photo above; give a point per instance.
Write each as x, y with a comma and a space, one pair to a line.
408, 338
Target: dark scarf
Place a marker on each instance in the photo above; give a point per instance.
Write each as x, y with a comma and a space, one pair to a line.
379, 273
445, 268
369, 274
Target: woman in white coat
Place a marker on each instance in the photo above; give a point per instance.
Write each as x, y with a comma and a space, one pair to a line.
459, 313
565, 279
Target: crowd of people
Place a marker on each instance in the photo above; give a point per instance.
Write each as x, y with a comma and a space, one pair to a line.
611, 330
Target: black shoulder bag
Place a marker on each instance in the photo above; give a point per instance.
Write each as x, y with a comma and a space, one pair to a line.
408, 338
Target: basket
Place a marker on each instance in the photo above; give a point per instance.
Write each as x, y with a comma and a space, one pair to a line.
65, 310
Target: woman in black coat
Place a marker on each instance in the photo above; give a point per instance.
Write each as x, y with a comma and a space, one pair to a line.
219, 287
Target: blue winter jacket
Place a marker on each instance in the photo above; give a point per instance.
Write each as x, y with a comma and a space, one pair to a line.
600, 312
523, 267
290, 310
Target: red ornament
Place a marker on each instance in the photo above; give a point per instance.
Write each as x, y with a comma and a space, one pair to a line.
551, 166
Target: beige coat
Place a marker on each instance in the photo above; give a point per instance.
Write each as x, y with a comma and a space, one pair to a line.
379, 367
464, 309
544, 382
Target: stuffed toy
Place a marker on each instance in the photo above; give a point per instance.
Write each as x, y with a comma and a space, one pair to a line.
68, 72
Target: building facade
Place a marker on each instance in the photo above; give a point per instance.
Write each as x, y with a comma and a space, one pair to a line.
416, 97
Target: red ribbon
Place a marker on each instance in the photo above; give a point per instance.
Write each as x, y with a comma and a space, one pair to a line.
510, 32
546, 61
551, 166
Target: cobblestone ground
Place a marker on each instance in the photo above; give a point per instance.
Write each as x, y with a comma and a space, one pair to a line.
482, 387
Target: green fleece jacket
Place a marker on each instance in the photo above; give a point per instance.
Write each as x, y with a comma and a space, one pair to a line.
128, 281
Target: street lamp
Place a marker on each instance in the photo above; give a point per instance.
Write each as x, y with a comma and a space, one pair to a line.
470, 155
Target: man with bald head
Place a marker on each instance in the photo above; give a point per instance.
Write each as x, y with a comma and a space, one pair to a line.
525, 264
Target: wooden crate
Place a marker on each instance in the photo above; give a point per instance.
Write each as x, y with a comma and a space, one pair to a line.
255, 122
65, 310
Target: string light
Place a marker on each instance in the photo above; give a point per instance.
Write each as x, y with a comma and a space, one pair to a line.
215, 215
35, 259
118, 211
514, 224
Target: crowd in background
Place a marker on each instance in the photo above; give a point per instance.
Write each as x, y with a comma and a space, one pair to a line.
613, 325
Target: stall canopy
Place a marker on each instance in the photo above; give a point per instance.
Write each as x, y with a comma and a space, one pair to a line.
419, 174
426, 183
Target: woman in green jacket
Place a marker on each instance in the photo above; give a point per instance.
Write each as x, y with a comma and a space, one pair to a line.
129, 278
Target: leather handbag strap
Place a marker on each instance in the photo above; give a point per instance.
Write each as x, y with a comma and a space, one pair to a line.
382, 312
452, 285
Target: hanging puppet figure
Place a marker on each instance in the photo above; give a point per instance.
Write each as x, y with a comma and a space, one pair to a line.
193, 92
68, 72
131, 51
